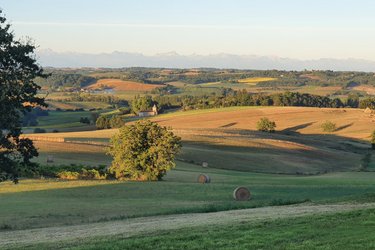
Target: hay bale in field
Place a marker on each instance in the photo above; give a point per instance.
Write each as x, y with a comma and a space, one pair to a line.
203, 178
205, 164
50, 159
241, 194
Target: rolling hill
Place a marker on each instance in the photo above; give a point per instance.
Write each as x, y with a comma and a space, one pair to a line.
120, 85
227, 138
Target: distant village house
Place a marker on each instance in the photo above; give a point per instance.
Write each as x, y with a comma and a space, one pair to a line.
146, 113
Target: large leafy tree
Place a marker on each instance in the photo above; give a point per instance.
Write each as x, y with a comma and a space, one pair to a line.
143, 151
18, 69
141, 103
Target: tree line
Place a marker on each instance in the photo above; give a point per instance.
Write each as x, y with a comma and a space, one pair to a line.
230, 98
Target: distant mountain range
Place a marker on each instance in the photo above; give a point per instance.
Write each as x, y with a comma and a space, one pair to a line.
174, 60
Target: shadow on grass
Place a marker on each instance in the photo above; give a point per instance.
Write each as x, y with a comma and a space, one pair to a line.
228, 125
296, 128
343, 127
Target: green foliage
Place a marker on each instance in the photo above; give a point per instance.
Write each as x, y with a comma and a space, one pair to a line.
86, 97
68, 175
141, 103
143, 151
92, 174
105, 122
328, 127
53, 171
230, 98
373, 140
352, 101
124, 110
18, 69
60, 79
367, 103
265, 125
116, 122
84, 174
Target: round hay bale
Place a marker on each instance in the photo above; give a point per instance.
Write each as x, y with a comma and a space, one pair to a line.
241, 194
202, 178
205, 164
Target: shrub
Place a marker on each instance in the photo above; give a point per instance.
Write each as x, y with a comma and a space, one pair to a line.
266, 125
39, 130
125, 111
373, 140
92, 174
68, 175
103, 123
328, 126
54, 171
116, 122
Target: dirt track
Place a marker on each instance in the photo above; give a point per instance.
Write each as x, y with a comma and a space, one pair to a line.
137, 226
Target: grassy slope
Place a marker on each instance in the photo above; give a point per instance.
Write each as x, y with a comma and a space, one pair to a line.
77, 202
350, 230
170, 231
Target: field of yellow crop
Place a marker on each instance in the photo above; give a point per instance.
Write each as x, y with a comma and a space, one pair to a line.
255, 80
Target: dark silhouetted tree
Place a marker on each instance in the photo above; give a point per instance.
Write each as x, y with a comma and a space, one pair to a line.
18, 69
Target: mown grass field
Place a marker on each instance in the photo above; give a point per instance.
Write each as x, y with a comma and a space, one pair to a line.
349, 230
46, 203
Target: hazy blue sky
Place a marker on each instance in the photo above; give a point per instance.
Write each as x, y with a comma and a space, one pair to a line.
287, 28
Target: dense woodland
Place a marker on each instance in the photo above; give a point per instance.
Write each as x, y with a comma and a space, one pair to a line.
230, 98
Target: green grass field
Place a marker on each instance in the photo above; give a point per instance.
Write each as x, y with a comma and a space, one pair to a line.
77, 202
63, 121
350, 230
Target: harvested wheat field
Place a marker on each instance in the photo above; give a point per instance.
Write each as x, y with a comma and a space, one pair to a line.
120, 85
353, 123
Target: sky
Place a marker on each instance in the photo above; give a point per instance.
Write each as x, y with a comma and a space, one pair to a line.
298, 29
